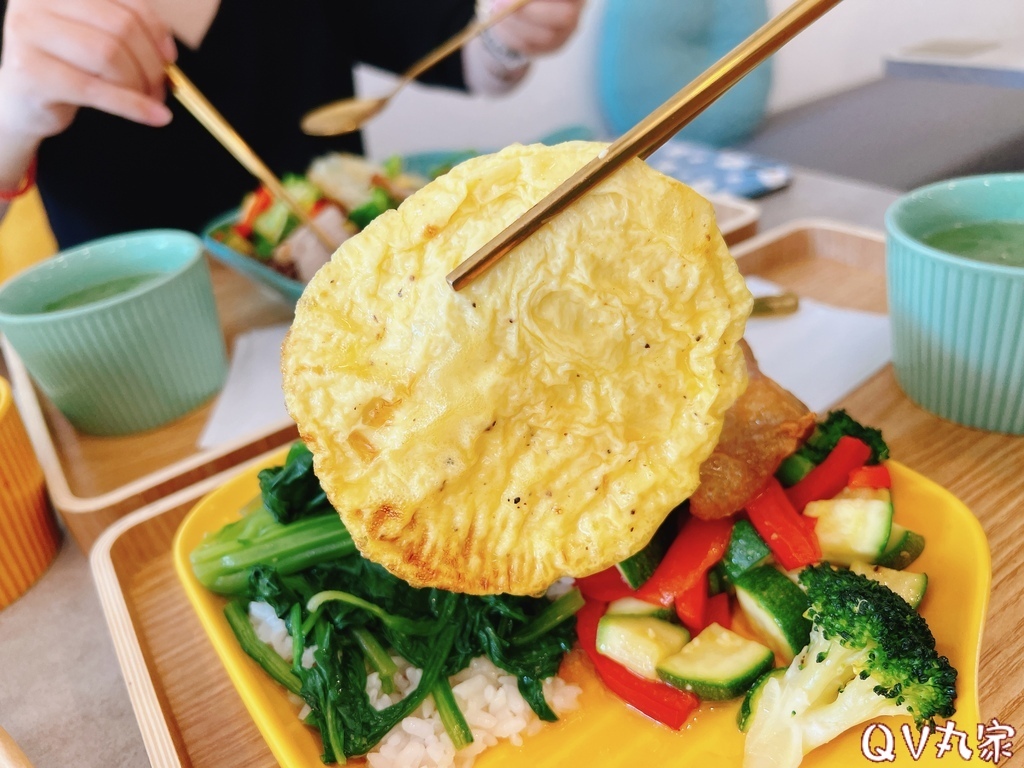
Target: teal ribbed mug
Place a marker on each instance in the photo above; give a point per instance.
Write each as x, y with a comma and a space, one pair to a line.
955, 264
122, 334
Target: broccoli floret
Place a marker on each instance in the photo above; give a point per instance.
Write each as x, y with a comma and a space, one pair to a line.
870, 654
836, 425
821, 442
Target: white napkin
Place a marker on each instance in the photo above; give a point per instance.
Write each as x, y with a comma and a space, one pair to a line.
252, 401
819, 353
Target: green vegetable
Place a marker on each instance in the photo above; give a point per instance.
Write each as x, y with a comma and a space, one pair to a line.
746, 550
262, 248
631, 606
263, 654
273, 224
558, 611
716, 665
454, 721
298, 638
378, 657
639, 567
397, 623
910, 586
855, 525
223, 561
379, 202
870, 655
392, 166
301, 190
775, 608
291, 551
752, 699
821, 442
639, 643
903, 548
292, 492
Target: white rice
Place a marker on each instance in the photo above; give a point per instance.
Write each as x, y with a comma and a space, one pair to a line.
487, 695
274, 632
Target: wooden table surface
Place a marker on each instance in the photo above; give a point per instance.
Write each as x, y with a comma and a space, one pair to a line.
62, 697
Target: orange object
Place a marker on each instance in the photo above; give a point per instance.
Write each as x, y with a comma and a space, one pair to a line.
29, 537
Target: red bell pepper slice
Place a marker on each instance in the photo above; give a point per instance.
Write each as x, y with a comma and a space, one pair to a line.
698, 546
786, 532
692, 605
606, 585
659, 701
718, 611
253, 206
872, 476
830, 477
318, 207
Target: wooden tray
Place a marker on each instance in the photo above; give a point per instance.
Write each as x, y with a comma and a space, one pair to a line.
190, 715
834, 263
95, 480
737, 218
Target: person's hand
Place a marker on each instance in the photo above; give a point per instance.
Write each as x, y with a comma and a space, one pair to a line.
59, 55
541, 27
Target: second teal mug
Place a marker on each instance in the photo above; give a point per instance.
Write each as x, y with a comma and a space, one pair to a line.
958, 322
122, 334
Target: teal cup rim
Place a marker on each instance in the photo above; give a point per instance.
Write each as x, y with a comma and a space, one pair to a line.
894, 227
123, 240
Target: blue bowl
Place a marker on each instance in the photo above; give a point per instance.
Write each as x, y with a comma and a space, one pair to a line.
253, 268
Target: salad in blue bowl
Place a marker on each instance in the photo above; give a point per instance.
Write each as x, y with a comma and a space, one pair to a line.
341, 192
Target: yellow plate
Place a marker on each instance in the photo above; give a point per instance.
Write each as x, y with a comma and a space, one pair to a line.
603, 731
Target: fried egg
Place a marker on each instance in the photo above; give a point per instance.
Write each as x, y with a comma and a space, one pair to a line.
543, 421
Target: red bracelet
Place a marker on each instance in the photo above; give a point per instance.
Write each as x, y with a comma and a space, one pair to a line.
27, 183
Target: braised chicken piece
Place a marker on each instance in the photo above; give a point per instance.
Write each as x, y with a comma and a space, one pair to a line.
764, 426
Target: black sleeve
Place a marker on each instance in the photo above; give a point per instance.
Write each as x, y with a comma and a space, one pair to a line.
392, 34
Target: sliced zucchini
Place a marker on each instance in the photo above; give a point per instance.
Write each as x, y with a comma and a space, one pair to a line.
639, 642
903, 548
746, 550
855, 525
302, 190
717, 664
638, 568
270, 225
910, 586
631, 606
717, 580
775, 605
753, 696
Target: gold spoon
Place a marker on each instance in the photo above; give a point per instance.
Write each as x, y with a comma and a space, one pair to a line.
349, 115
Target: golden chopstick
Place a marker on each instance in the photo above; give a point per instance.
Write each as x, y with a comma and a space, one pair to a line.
649, 134
203, 111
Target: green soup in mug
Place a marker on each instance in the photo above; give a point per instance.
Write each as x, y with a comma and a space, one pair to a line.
100, 291
994, 242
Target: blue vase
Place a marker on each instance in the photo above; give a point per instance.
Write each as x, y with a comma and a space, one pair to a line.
649, 49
